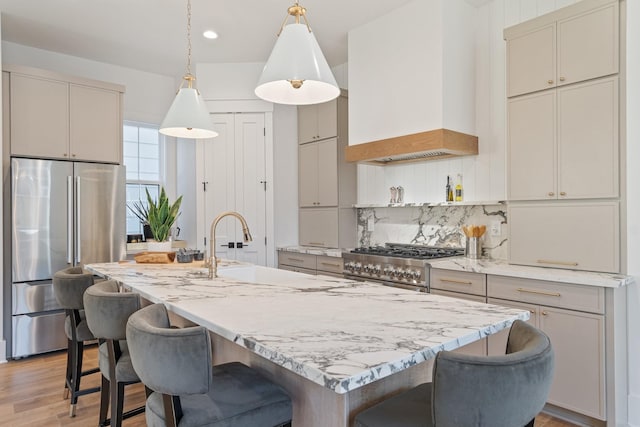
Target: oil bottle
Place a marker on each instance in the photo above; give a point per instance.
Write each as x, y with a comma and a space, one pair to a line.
459, 188
449, 191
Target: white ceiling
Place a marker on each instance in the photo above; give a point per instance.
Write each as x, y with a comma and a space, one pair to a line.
150, 35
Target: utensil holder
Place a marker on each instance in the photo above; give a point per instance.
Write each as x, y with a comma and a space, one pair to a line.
473, 248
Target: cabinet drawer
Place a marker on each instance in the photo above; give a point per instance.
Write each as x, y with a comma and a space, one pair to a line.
574, 297
297, 260
329, 264
459, 281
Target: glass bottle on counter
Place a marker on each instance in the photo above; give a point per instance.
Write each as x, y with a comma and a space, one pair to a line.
459, 188
449, 190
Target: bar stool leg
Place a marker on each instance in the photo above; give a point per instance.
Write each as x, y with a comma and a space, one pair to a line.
68, 377
77, 375
104, 401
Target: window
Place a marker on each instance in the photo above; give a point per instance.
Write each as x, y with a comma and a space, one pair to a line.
142, 158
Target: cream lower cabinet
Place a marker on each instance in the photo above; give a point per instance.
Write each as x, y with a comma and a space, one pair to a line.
310, 264
573, 318
465, 286
318, 227
565, 235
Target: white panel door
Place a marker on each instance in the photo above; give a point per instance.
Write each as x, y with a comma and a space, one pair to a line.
234, 178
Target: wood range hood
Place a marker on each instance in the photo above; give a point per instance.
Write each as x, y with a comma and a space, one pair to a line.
430, 145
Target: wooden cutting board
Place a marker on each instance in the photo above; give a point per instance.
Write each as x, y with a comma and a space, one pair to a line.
154, 257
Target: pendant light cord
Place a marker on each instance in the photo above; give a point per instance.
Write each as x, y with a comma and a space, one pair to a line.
188, 37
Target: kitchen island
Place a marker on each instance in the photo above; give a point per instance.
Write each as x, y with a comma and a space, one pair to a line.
336, 345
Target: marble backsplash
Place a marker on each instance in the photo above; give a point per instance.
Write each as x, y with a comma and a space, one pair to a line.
433, 226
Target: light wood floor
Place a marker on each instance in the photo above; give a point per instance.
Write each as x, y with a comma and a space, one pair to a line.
31, 395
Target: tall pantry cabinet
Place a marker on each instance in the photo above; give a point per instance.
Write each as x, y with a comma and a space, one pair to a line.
326, 182
563, 155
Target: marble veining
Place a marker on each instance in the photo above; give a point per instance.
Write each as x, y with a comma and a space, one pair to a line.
433, 225
339, 333
502, 268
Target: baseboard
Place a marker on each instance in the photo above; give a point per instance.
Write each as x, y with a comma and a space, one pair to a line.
3, 351
572, 417
634, 410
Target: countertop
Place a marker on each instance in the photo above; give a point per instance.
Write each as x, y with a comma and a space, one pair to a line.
311, 250
339, 333
502, 268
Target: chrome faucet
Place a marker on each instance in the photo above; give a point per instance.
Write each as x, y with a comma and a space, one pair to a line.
213, 261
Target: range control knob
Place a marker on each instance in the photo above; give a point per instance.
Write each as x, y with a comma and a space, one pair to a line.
357, 267
377, 269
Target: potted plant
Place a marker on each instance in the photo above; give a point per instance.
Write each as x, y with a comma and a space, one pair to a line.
160, 216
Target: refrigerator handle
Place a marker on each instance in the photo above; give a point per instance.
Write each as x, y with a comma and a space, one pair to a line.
69, 219
78, 204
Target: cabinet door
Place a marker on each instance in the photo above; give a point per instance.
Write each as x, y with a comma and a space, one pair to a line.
577, 236
39, 117
588, 139
319, 227
308, 175
578, 341
531, 61
95, 126
588, 45
328, 172
476, 348
497, 343
327, 119
532, 147
307, 123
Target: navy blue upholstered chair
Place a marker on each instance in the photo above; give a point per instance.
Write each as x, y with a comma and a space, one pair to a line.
476, 391
107, 311
187, 389
69, 286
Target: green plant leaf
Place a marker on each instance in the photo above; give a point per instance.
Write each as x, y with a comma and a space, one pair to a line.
162, 215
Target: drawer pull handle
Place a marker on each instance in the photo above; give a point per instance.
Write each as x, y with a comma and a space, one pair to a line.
316, 244
532, 311
531, 291
544, 313
546, 261
328, 264
296, 260
461, 282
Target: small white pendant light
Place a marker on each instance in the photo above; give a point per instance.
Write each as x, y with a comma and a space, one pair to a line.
188, 116
297, 72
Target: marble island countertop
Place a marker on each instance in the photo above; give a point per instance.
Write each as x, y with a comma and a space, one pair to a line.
341, 334
502, 268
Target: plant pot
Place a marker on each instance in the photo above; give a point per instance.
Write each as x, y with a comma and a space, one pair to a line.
153, 246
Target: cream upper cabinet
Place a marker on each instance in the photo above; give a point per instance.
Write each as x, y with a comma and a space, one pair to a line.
547, 52
525, 74
563, 144
565, 235
317, 121
318, 227
55, 118
588, 139
95, 124
39, 117
532, 147
318, 173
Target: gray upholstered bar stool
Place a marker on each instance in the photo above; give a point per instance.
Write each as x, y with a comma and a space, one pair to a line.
476, 391
107, 311
188, 390
69, 286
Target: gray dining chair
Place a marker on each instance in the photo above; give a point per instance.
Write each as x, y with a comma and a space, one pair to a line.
187, 389
69, 286
476, 391
107, 311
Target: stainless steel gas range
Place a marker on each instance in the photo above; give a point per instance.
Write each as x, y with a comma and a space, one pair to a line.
395, 264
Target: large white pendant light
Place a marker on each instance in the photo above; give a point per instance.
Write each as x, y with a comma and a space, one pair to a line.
297, 72
188, 116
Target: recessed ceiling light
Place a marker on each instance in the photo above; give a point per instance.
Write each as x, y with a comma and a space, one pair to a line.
210, 34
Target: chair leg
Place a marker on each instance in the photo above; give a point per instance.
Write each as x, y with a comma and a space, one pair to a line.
67, 379
531, 423
117, 404
104, 401
78, 348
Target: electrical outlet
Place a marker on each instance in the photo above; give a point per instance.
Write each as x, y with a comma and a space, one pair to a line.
496, 228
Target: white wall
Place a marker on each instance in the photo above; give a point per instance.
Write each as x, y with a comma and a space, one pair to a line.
633, 205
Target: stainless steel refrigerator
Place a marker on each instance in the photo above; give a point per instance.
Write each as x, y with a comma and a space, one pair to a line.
62, 214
